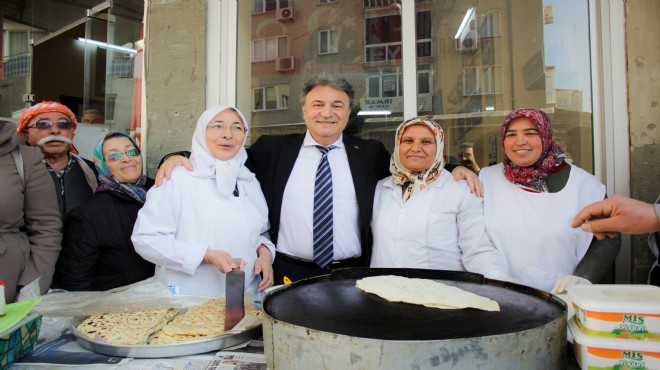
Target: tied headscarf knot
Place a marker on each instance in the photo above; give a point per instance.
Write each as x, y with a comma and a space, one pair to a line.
413, 182
534, 177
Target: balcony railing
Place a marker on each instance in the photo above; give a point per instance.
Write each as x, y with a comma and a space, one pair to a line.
16, 65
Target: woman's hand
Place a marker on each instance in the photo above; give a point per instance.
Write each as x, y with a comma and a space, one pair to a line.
165, 170
462, 173
264, 266
221, 260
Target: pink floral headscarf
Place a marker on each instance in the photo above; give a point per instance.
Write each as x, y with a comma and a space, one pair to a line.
552, 156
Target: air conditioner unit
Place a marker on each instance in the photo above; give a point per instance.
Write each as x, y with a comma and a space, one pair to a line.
283, 64
285, 14
467, 37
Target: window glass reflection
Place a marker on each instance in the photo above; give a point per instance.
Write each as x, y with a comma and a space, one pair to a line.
475, 62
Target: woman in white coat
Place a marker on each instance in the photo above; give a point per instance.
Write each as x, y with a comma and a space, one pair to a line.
197, 223
530, 200
422, 218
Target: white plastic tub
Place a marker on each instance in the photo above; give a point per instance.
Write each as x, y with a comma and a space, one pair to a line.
618, 311
612, 354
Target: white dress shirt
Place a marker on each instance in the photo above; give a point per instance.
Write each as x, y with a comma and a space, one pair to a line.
440, 227
295, 236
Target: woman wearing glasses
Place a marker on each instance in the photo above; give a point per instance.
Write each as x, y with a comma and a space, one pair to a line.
97, 253
199, 223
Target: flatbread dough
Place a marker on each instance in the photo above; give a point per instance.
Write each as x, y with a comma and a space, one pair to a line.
424, 292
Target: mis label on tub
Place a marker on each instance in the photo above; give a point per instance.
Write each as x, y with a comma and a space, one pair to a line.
619, 325
613, 359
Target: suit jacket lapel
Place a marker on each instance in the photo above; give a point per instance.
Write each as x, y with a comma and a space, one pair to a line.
288, 156
356, 162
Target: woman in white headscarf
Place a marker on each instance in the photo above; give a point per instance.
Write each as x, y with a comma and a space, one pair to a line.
200, 222
424, 219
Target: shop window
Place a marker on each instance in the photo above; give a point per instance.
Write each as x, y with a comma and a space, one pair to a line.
482, 80
489, 24
270, 48
263, 6
383, 37
388, 82
327, 42
270, 98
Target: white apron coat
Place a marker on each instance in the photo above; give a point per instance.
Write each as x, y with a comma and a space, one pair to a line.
185, 216
440, 227
533, 230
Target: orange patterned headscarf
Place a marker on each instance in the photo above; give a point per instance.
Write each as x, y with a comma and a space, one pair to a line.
44, 107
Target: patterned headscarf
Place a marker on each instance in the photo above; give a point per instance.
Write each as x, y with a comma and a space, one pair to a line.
552, 156
44, 107
108, 182
417, 180
226, 173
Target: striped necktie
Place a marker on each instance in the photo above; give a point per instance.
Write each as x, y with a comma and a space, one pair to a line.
322, 227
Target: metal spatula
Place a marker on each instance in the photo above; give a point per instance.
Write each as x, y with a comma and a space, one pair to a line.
234, 291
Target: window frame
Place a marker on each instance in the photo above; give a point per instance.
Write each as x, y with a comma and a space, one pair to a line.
330, 40
277, 52
281, 100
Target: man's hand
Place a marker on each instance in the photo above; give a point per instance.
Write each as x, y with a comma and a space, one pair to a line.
165, 170
221, 260
264, 266
462, 173
617, 214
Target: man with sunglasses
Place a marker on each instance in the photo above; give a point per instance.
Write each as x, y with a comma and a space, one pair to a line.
51, 126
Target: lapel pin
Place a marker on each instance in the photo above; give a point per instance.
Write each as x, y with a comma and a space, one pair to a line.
356, 147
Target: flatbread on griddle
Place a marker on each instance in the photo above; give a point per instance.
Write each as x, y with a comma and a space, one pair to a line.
424, 292
132, 328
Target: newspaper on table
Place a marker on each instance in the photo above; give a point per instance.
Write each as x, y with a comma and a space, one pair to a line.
250, 357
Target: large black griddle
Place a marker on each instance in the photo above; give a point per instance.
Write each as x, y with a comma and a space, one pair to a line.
332, 303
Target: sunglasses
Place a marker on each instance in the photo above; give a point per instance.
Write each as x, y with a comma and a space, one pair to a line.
43, 124
117, 156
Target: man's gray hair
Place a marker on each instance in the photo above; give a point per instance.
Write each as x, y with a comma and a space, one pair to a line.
335, 83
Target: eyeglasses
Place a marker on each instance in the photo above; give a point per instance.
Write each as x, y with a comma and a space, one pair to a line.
43, 124
219, 127
117, 156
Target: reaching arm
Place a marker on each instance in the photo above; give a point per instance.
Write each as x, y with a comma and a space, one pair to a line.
169, 163
617, 214
463, 173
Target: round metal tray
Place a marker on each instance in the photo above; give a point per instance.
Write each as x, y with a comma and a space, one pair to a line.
164, 350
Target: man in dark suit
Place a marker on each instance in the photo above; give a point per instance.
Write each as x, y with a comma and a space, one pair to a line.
286, 167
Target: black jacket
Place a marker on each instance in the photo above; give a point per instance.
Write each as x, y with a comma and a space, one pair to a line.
272, 158
97, 252
72, 188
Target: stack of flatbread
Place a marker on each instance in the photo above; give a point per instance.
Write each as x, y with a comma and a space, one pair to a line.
160, 326
424, 292
126, 327
197, 323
